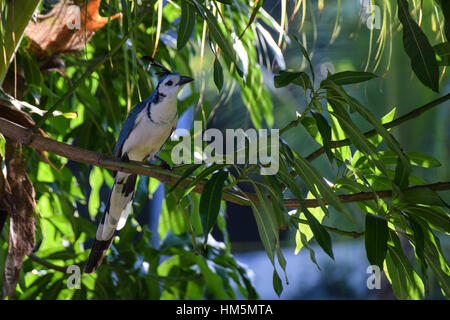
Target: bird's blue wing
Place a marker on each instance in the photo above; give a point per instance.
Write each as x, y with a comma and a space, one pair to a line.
129, 123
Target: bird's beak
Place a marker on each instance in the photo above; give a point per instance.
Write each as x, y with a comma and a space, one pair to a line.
184, 80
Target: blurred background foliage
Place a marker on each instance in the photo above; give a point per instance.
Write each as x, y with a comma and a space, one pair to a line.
154, 256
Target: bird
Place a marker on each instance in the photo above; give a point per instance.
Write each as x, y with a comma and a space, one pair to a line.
145, 130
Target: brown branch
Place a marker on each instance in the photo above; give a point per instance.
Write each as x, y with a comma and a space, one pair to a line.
28, 137
364, 196
410, 115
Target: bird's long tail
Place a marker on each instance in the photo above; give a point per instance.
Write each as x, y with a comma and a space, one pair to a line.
114, 218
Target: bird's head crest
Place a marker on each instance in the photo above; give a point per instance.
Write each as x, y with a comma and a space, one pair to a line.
164, 71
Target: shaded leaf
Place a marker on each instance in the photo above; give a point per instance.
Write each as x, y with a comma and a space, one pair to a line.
350, 77
187, 24
320, 233
435, 217
218, 74
418, 48
277, 284
376, 236
424, 196
210, 201
287, 77
325, 132
443, 52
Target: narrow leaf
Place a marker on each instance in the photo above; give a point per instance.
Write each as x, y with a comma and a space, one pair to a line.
443, 52
325, 132
418, 48
187, 24
402, 173
424, 196
277, 284
376, 237
320, 233
405, 281
287, 77
210, 201
350, 77
218, 74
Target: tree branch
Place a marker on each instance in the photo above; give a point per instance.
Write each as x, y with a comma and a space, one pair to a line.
365, 196
410, 115
36, 141
46, 263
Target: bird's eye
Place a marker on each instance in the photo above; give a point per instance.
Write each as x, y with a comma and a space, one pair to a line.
169, 83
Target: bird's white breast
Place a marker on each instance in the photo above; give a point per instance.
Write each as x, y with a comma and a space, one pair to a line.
148, 136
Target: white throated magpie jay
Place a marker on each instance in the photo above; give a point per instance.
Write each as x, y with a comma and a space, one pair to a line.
147, 127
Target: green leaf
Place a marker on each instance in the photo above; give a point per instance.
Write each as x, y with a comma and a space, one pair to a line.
350, 77
405, 281
306, 56
418, 48
203, 174
229, 2
210, 201
438, 219
445, 5
437, 261
267, 225
313, 179
424, 196
276, 193
186, 174
423, 160
218, 36
95, 181
443, 52
355, 135
277, 284
367, 115
218, 74
338, 133
256, 6
376, 236
287, 77
311, 127
419, 239
213, 282
376, 140
325, 132
320, 233
187, 24
402, 175
302, 241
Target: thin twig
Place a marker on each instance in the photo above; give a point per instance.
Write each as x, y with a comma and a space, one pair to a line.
46, 263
